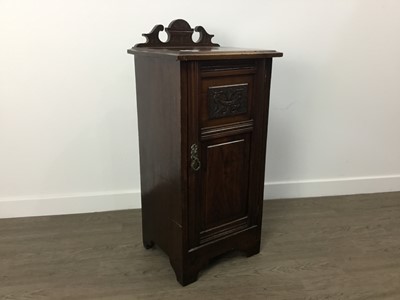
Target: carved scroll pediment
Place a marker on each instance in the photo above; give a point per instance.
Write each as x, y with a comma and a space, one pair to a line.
179, 35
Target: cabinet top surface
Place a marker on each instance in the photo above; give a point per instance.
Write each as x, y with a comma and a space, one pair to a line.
202, 53
181, 46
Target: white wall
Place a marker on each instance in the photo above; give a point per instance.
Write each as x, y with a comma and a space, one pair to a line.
68, 127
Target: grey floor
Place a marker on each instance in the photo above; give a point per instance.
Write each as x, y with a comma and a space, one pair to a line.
321, 248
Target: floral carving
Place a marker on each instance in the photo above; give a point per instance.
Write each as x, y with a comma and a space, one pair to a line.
228, 100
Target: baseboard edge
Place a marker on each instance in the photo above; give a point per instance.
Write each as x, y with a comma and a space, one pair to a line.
68, 204
331, 187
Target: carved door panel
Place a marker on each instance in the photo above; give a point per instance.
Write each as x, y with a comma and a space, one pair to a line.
222, 128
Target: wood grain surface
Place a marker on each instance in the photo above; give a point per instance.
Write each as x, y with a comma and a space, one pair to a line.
344, 247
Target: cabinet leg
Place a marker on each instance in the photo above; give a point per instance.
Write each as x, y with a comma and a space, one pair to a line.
148, 244
187, 278
252, 250
184, 276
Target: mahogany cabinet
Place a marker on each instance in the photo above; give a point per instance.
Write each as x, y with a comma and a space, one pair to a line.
202, 116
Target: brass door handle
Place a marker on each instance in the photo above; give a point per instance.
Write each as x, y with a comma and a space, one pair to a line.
194, 157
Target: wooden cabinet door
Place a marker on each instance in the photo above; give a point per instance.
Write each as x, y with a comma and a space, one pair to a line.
224, 196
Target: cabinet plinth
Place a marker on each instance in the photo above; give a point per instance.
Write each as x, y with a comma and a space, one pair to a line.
202, 116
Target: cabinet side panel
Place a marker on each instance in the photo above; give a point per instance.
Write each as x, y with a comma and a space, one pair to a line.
260, 138
159, 120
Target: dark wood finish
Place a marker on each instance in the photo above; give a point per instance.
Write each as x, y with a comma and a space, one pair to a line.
227, 100
225, 187
160, 152
179, 36
202, 137
204, 53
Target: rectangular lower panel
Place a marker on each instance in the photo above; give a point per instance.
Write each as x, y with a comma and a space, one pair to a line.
224, 193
